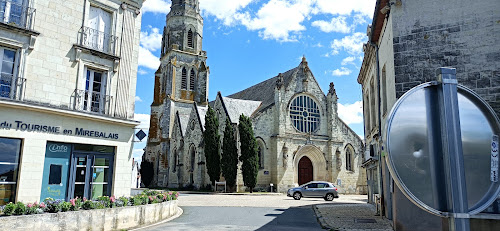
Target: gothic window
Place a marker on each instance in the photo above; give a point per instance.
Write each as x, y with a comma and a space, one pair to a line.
260, 152
193, 157
191, 80
304, 113
348, 159
190, 39
175, 160
184, 79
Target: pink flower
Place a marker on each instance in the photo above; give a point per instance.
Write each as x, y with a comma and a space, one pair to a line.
29, 205
84, 199
150, 198
72, 202
42, 205
112, 198
169, 193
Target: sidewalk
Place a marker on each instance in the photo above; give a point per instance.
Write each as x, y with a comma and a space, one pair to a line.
350, 216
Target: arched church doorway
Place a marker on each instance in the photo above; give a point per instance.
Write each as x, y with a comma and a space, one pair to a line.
305, 170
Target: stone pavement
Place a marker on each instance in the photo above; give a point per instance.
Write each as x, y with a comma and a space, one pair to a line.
350, 216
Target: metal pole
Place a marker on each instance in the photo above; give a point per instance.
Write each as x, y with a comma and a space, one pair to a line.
456, 191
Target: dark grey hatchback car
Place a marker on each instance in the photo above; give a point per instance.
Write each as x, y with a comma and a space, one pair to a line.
323, 189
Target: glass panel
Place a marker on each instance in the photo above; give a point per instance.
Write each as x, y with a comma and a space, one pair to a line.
7, 193
99, 190
9, 56
80, 174
8, 172
9, 150
101, 162
94, 148
55, 174
79, 190
100, 175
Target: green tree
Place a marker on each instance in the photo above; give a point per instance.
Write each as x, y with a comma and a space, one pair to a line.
211, 140
249, 154
229, 162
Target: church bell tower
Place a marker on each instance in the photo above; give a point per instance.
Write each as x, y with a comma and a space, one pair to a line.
181, 80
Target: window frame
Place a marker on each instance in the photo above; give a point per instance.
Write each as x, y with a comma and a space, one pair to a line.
15, 176
14, 76
88, 91
296, 109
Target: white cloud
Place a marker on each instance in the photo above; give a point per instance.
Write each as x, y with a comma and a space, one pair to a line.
138, 99
337, 24
342, 7
144, 119
278, 19
352, 44
351, 113
348, 60
317, 45
151, 40
137, 154
141, 71
147, 59
224, 10
341, 72
156, 6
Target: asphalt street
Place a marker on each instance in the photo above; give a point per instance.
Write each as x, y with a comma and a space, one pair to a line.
242, 218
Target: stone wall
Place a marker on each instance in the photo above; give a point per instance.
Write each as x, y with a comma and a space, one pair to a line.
455, 34
98, 219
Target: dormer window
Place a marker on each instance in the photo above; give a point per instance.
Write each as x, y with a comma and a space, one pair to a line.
191, 80
184, 79
190, 39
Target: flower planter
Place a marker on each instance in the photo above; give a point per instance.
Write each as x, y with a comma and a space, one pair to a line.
96, 219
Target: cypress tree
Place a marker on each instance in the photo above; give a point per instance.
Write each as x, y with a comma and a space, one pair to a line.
229, 162
249, 152
211, 139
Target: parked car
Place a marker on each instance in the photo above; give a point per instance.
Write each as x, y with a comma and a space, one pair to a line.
323, 189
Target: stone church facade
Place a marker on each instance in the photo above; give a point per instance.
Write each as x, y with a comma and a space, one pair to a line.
300, 136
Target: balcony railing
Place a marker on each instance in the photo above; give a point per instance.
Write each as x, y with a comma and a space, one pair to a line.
17, 13
94, 102
11, 87
97, 40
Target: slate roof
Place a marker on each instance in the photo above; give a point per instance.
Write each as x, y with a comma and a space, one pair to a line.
202, 112
236, 107
264, 91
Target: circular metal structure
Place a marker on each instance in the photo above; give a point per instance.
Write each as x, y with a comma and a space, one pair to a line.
305, 114
414, 160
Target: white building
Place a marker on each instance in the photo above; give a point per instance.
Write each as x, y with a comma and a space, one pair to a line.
67, 90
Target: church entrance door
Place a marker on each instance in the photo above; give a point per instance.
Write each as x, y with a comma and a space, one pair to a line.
305, 170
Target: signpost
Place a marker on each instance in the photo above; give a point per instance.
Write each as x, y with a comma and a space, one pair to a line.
442, 142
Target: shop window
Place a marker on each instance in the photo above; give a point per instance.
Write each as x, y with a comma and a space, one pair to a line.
55, 175
10, 150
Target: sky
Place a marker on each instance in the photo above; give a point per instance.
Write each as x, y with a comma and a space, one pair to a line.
249, 41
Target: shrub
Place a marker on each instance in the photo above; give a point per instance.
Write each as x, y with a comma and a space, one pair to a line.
31, 208
76, 204
123, 201
88, 204
8, 210
52, 206
20, 208
136, 200
65, 206
105, 201
99, 204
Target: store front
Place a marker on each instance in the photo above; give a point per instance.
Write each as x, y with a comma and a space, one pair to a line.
10, 150
77, 170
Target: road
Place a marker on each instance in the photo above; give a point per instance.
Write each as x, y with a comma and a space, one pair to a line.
246, 212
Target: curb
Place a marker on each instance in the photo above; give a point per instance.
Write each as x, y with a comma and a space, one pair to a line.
179, 213
233, 194
320, 219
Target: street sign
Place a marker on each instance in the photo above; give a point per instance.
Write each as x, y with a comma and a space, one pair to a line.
428, 130
140, 135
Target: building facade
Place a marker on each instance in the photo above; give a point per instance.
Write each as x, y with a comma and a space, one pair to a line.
67, 95
408, 41
297, 127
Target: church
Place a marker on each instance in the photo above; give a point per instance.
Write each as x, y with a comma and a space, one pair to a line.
300, 136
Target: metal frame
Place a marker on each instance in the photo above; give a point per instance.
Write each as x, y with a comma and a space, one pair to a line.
453, 203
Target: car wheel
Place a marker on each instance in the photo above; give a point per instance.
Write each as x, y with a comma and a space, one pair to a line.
329, 197
297, 196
